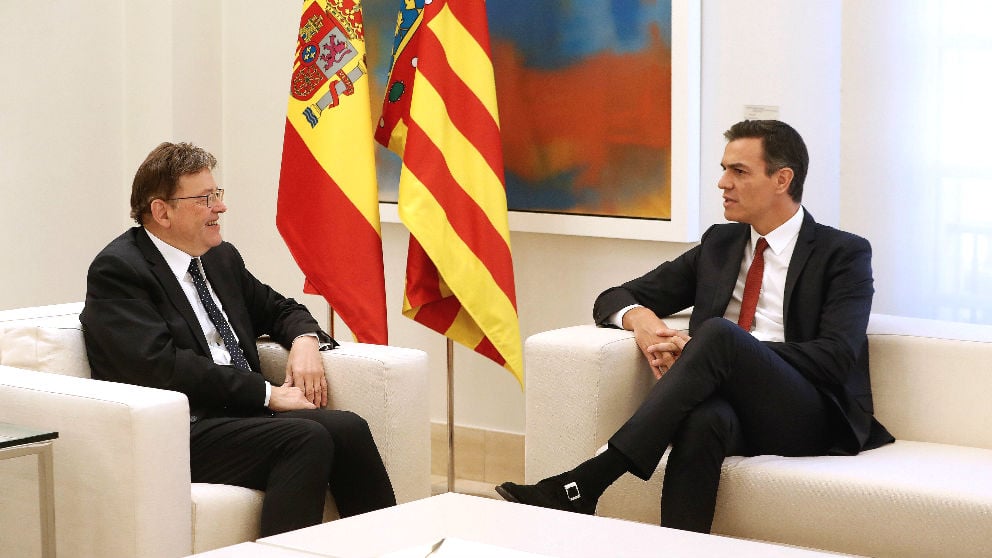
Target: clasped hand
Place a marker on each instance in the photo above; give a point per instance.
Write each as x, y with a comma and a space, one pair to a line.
659, 344
666, 349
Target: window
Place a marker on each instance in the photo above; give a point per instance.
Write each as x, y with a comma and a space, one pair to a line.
962, 50
916, 152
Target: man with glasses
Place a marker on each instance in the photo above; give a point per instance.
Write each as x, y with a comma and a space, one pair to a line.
170, 305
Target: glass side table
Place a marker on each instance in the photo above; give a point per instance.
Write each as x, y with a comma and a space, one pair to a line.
17, 441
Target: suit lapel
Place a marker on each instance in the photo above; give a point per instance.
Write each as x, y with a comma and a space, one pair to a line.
160, 269
800, 255
730, 270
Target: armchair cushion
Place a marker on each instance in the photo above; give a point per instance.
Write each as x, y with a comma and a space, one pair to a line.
239, 507
52, 343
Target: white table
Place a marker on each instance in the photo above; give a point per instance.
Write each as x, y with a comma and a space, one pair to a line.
411, 529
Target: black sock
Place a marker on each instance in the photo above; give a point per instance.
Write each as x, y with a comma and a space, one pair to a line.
595, 475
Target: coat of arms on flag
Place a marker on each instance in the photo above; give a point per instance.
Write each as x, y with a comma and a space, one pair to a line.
327, 48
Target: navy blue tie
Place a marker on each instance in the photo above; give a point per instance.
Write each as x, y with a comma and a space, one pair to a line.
223, 328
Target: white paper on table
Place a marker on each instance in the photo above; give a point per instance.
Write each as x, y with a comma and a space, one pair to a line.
459, 548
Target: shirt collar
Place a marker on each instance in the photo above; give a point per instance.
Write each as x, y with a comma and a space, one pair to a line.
783, 235
176, 259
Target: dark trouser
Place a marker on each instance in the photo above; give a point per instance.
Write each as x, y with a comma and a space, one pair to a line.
728, 394
294, 457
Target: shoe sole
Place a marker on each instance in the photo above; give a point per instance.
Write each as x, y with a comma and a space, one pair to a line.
505, 494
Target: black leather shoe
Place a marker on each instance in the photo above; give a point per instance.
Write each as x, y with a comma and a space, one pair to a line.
559, 492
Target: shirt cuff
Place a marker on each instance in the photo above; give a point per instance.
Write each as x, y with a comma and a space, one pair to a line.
617, 318
268, 393
322, 346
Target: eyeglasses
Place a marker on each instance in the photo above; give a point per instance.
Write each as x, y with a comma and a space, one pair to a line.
207, 199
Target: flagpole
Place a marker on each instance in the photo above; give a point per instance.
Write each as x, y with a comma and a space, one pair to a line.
451, 415
330, 320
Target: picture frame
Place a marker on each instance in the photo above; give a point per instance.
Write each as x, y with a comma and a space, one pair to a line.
682, 223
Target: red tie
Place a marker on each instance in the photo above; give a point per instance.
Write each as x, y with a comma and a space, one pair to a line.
752, 285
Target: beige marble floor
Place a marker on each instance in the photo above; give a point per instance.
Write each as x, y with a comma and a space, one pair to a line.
483, 459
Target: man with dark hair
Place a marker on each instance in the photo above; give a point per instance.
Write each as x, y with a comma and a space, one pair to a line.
783, 148
170, 305
776, 357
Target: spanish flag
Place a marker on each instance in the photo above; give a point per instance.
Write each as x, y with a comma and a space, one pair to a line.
328, 209
440, 116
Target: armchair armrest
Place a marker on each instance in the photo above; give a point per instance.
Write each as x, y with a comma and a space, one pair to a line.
388, 387
122, 479
583, 382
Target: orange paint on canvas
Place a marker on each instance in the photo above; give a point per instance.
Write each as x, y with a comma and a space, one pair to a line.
607, 120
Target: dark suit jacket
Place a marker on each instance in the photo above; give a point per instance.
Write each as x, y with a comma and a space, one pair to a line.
140, 328
828, 292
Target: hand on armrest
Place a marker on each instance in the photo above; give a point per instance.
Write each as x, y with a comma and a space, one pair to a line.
305, 370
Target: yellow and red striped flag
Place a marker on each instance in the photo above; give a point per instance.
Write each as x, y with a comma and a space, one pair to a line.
440, 116
328, 209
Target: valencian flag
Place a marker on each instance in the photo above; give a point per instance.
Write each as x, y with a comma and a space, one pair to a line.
440, 116
328, 210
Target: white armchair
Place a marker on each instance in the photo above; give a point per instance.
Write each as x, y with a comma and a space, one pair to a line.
122, 480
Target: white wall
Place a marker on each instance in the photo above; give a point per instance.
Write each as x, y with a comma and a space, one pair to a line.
89, 90
61, 156
217, 74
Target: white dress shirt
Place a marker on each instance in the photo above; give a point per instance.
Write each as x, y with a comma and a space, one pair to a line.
769, 320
